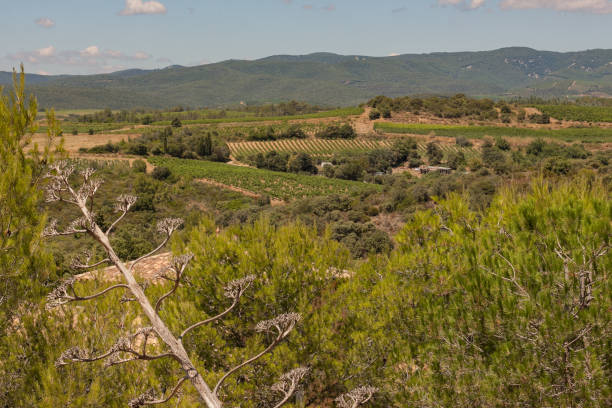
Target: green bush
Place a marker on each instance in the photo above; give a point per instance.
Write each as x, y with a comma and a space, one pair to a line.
344, 131
139, 166
161, 173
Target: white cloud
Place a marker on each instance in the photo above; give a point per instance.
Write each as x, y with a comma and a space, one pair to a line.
394, 54
141, 56
587, 6
46, 52
133, 7
91, 51
92, 58
464, 4
113, 54
590, 6
45, 22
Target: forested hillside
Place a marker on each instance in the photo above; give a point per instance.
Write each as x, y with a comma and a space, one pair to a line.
330, 79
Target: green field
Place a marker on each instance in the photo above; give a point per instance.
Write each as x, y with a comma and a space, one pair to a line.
586, 134
578, 113
284, 186
68, 127
344, 112
321, 148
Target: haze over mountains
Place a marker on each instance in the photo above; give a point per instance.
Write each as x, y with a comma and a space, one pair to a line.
330, 79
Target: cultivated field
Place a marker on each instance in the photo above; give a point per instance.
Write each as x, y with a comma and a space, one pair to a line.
571, 134
578, 113
322, 148
283, 186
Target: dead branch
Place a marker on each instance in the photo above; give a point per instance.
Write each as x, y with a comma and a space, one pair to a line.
60, 296
288, 383
123, 205
148, 398
124, 345
178, 265
283, 324
356, 397
234, 290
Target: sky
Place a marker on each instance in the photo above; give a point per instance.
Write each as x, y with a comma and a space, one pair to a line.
96, 36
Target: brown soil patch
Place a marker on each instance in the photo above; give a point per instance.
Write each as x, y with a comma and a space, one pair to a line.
147, 269
72, 143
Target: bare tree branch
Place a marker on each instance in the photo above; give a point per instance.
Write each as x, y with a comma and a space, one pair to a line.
178, 265
166, 226
123, 205
125, 344
60, 296
356, 397
148, 398
283, 324
234, 290
82, 262
288, 383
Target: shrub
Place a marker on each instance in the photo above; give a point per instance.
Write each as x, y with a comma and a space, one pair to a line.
386, 112
91, 131
161, 173
75, 132
176, 123
434, 153
344, 131
139, 149
139, 166
463, 141
221, 154
456, 160
301, 162
502, 144
374, 114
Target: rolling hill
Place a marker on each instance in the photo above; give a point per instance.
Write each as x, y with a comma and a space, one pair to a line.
330, 79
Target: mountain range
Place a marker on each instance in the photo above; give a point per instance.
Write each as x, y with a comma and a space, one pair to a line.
334, 80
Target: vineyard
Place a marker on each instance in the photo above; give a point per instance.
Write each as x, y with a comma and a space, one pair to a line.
585, 134
578, 113
321, 148
315, 147
283, 186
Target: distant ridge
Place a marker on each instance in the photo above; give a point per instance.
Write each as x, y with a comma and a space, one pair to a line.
331, 79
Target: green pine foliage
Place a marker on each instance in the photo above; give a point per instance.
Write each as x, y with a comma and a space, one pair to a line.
504, 307
24, 264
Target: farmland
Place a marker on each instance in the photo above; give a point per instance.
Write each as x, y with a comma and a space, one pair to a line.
322, 148
578, 113
239, 117
283, 186
585, 134
315, 147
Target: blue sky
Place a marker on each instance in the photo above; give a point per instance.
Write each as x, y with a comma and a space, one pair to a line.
92, 36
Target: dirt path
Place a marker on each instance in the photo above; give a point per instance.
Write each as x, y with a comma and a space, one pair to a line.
363, 124
248, 193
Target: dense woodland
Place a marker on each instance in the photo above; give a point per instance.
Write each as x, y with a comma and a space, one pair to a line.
489, 286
